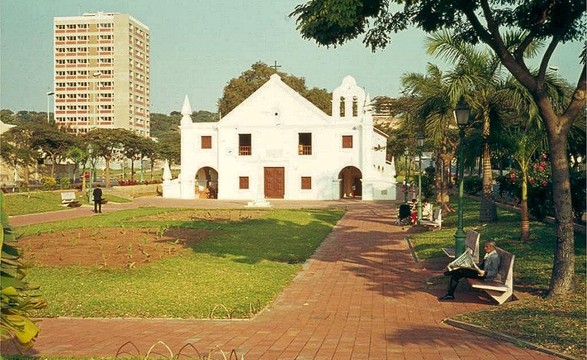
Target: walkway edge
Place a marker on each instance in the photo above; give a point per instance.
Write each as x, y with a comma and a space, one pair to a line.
497, 335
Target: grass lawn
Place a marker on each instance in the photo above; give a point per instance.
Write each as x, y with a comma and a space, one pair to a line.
233, 273
557, 324
44, 201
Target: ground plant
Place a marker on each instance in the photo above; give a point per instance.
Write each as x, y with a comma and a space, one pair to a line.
180, 263
557, 324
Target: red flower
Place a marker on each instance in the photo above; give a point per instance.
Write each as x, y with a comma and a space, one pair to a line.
544, 183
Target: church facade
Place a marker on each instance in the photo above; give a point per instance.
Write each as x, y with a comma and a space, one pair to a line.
278, 145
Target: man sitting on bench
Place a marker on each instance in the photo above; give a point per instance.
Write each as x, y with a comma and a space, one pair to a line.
488, 271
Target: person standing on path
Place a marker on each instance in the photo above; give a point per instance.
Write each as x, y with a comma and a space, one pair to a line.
97, 194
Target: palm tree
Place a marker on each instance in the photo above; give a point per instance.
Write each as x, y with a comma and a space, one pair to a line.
524, 144
433, 108
478, 75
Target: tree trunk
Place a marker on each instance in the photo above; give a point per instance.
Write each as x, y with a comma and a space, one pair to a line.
488, 209
53, 161
107, 173
563, 271
444, 161
525, 222
438, 182
27, 174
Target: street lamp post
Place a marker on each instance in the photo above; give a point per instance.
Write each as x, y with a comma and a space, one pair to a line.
49, 93
461, 113
406, 153
420, 144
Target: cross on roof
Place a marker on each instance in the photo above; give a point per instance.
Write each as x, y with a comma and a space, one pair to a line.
275, 66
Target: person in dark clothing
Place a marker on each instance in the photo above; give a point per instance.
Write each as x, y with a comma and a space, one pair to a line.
97, 194
489, 271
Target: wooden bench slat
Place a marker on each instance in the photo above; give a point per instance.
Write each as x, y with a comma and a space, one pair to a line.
489, 285
450, 252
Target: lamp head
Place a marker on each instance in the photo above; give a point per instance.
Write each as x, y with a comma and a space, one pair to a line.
462, 113
420, 139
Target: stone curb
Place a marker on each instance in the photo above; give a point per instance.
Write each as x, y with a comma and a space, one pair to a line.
496, 335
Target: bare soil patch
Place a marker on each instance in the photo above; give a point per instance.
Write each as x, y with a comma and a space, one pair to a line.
208, 215
108, 247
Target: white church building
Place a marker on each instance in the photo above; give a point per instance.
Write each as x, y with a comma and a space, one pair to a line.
278, 145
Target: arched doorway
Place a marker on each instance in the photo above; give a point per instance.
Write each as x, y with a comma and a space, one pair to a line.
350, 182
207, 183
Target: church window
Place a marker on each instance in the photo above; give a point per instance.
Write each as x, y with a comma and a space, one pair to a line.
305, 143
306, 182
206, 142
342, 107
347, 141
243, 182
355, 107
244, 144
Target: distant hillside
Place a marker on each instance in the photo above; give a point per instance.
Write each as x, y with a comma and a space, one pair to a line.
163, 125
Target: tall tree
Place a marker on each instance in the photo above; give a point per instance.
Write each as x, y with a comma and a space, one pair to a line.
78, 156
52, 143
478, 76
131, 148
524, 144
553, 21
17, 148
104, 143
433, 106
240, 88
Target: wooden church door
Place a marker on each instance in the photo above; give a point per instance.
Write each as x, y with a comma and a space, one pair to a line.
274, 182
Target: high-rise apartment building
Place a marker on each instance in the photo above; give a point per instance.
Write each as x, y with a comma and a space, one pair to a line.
101, 73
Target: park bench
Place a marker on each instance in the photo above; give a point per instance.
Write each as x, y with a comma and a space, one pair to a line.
502, 290
436, 221
471, 245
69, 199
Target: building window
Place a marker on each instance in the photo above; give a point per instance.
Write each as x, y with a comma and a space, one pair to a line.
306, 182
243, 182
355, 106
342, 106
347, 141
206, 142
244, 144
305, 143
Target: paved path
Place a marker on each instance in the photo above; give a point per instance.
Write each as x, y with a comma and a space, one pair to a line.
361, 296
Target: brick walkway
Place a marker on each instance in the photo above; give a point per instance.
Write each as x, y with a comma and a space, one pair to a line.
361, 296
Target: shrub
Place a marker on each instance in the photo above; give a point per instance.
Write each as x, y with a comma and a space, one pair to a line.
64, 183
540, 195
48, 182
472, 185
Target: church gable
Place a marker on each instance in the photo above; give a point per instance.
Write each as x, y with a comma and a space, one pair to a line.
275, 103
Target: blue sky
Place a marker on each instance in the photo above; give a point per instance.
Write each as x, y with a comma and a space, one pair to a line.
197, 46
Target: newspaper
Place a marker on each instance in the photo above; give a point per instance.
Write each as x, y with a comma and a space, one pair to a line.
465, 261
